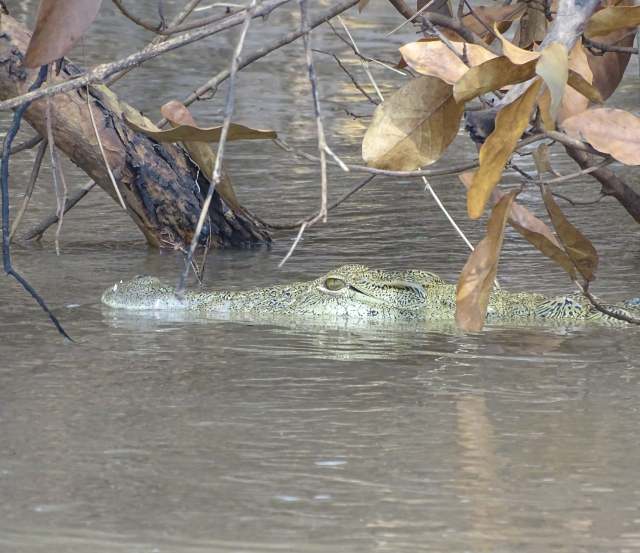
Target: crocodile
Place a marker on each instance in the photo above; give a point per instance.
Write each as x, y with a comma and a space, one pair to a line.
356, 292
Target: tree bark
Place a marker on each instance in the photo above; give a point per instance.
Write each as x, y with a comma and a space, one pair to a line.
157, 181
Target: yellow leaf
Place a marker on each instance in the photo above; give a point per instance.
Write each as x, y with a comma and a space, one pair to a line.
544, 104
611, 131
553, 67
202, 134
514, 53
436, 59
511, 122
578, 247
491, 75
612, 19
178, 114
478, 275
413, 127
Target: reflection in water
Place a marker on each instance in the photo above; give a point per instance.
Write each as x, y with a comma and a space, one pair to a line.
165, 433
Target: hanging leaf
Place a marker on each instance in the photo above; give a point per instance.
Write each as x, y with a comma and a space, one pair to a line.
362, 4
553, 67
511, 122
547, 247
610, 131
436, 59
59, 25
479, 273
414, 127
202, 134
493, 74
519, 215
577, 246
611, 19
178, 114
514, 53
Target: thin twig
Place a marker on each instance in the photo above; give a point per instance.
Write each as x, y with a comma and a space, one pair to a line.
410, 19
212, 84
158, 28
331, 207
603, 308
50, 220
27, 144
54, 169
104, 156
427, 187
351, 77
372, 170
365, 63
103, 71
38, 230
186, 12
217, 169
63, 199
313, 81
4, 177
35, 171
578, 202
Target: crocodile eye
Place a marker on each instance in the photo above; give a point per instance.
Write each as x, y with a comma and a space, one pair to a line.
334, 284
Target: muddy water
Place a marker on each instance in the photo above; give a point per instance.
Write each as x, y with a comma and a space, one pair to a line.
167, 434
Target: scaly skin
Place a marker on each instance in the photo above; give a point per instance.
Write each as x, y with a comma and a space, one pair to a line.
354, 292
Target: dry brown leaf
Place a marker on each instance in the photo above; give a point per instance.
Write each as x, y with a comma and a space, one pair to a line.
611, 131
413, 127
573, 101
362, 4
578, 247
549, 248
519, 215
59, 24
511, 122
436, 59
533, 26
514, 53
178, 114
183, 133
479, 273
586, 89
611, 19
553, 67
609, 68
491, 75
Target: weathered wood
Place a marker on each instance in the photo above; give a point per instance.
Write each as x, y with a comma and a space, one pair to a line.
157, 181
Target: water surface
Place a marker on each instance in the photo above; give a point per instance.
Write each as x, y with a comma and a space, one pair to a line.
169, 434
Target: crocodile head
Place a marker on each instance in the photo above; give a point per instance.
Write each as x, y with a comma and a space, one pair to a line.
143, 292
359, 284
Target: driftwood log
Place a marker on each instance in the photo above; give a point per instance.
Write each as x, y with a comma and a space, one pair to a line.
157, 181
